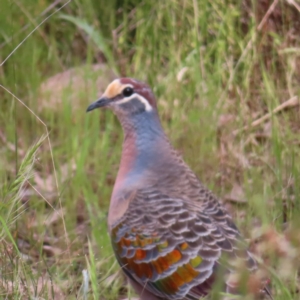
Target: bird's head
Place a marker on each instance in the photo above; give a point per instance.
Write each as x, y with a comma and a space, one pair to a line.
126, 97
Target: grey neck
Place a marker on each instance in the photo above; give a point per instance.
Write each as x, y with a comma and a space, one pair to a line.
146, 150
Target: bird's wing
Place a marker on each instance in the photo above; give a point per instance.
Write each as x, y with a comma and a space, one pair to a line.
170, 247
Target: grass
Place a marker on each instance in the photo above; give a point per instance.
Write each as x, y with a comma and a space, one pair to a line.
215, 67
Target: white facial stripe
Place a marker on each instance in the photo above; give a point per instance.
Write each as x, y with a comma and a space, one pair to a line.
125, 86
148, 107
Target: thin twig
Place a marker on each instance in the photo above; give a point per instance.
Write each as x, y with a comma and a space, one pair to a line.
51, 153
9, 145
52, 5
40, 31
31, 32
38, 118
292, 2
247, 49
294, 101
40, 194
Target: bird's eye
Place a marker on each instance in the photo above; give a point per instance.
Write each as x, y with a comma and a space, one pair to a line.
127, 92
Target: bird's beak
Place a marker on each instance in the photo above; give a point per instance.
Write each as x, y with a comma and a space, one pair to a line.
99, 103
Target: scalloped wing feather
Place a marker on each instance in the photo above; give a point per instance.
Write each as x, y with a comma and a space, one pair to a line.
171, 247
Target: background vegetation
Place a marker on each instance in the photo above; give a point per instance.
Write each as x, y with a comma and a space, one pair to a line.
226, 75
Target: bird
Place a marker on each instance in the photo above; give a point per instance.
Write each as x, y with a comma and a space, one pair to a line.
169, 233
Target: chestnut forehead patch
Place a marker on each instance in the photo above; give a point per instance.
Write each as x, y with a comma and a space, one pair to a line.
115, 88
